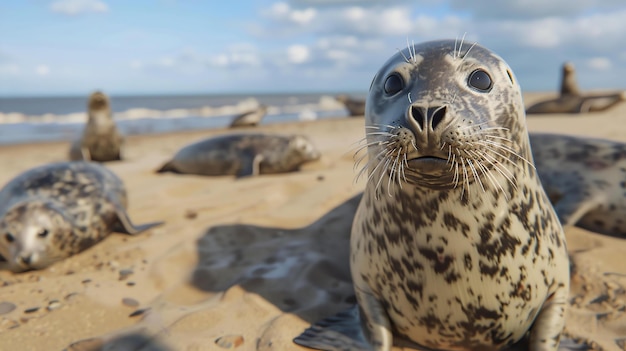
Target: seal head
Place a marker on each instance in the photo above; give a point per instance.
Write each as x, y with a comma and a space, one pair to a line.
31, 233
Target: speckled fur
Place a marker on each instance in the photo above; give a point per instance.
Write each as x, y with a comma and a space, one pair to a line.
77, 204
443, 264
585, 179
243, 154
101, 141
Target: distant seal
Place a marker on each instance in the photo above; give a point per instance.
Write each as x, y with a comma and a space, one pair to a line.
572, 100
455, 245
569, 85
243, 154
585, 178
101, 141
355, 107
54, 211
249, 118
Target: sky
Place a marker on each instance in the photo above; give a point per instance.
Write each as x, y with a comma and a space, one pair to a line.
71, 47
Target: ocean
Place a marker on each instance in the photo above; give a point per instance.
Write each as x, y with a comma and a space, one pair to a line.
40, 119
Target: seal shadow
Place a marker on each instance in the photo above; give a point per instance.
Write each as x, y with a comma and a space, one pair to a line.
304, 271
133, 341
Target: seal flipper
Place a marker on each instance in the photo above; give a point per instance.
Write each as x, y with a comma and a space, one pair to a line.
250, 164
341, 332
126, 226
573, 207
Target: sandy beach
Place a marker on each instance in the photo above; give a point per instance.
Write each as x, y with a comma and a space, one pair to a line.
248, 264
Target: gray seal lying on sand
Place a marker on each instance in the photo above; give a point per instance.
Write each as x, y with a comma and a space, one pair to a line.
355, 107
572, 100
585, 178
249, 118
455, 245
243, 154
100, 141
54, 211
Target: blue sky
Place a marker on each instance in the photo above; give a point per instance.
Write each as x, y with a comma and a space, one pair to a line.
71, 47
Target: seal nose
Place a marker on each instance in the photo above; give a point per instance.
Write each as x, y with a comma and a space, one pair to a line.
26, 259
424, 116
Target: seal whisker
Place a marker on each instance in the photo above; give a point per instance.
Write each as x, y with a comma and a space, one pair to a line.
473, 169
511, 151
487, 172
468, 51
501, 169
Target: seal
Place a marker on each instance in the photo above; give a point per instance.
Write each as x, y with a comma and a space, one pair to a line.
243, 154
454, 245
569, 85
355, 107
249, 118
101, 141
572, 100
56, 210
585, 178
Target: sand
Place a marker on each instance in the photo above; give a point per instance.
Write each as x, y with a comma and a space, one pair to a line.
248, 264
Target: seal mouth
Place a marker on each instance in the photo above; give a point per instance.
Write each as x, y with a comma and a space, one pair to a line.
428, 164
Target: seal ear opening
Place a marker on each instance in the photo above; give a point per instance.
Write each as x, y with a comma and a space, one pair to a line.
508, 73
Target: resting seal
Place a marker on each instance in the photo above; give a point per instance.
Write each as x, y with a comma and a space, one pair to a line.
355, 107
249, 118
585, 179
53, 211
243, 154
100, 141
571, 100
455, 245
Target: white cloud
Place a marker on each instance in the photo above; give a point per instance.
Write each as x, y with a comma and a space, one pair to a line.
281, 11
76, 7
136, 64
298, 54
42, 70
599, 63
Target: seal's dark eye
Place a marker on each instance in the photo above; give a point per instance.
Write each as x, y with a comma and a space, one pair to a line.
393, 84
43, 233
480, 80
9, 237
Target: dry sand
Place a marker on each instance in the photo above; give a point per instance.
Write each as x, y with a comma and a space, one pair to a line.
250, 263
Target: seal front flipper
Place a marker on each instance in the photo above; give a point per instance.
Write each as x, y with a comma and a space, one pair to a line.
341, 332
574, 206
125, 225
250, 164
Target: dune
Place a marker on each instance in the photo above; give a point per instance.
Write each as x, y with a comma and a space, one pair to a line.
248, 264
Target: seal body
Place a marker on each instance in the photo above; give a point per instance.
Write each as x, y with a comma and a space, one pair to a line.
572, 100
243, 154
585, 179
249, 118
355, 107
455, 245
54, 211
101, 141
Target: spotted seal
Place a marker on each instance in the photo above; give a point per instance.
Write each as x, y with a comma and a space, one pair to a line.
243, 154
56, 210
585, 178
355, 107
249, 118
100, 141
572, 100
454, 245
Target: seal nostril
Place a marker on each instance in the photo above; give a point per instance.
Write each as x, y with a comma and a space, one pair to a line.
418, 116
437, 115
